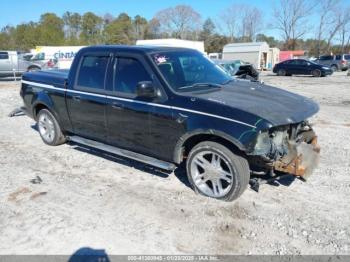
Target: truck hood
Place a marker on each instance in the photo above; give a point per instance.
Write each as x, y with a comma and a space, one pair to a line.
277, 106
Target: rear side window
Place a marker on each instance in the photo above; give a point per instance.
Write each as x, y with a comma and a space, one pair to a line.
129, 72
4, 56
347, 57
326, 57
338, 57
92, 72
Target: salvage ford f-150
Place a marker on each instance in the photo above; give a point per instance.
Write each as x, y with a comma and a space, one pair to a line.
164, 106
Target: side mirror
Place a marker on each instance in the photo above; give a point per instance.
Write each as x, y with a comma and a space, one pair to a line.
146, 89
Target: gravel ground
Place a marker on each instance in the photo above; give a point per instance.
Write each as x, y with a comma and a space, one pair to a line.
87, 199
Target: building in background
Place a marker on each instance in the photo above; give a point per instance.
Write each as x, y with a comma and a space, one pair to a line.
172, 42
255, 53
292, 54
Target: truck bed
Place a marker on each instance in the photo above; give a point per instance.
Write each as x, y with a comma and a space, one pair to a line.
50, 77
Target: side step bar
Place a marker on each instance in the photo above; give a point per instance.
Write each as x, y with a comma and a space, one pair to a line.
124, 153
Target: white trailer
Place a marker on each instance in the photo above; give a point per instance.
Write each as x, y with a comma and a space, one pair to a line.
255, 53
172, 42
62, 56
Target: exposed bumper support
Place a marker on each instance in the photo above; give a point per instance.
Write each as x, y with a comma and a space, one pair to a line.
301, 160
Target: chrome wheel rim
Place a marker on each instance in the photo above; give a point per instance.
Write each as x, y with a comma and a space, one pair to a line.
46, 128
211, 174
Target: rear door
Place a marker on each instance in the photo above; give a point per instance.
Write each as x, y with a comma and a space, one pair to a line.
86, 101
303, 67
292, 67
5, 63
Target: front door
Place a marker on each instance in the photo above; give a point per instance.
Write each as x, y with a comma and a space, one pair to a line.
86, 99
127, 115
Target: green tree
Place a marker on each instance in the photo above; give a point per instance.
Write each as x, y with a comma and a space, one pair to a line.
268, 39
91, 29
27, 36
72, 26
51, 30
140, 27
119, 31
7, 40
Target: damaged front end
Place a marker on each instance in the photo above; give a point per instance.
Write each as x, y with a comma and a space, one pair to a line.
291, 149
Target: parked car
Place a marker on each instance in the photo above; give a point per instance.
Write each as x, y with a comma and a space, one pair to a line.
239, 69
164, 106
335, 62
13, 63
301, 67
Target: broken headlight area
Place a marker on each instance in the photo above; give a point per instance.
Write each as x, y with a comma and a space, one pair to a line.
291, 149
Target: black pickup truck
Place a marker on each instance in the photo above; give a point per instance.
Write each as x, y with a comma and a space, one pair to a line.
164, 106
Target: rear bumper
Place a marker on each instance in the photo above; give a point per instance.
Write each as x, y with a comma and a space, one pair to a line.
302, 159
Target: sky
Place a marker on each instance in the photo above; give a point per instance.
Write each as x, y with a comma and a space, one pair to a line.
18, 11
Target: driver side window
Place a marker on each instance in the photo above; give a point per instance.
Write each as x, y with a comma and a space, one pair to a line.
129, 72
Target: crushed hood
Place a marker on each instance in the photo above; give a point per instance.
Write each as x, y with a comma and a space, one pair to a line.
275, 105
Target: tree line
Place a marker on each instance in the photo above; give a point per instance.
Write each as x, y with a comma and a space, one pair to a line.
330, 25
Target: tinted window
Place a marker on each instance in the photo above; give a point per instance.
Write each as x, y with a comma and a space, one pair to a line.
92, 72
183, 69
338, 57
129, 73
326, 57
303, 62
347, 57
293, 62
4, 55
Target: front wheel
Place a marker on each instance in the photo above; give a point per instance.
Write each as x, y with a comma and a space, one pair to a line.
215, 171
49, 128
316, 73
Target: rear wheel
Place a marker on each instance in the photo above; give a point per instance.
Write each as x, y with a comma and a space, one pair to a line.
282, 72
49, 129
215, 171
316, 73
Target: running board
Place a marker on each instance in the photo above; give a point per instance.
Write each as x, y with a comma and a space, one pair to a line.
124, 153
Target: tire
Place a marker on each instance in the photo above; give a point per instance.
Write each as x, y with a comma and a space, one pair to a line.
281, 72
33, 69
217, 160
334, 68
316, 73
49, 129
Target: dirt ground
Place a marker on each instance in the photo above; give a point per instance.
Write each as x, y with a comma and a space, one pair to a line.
56, 200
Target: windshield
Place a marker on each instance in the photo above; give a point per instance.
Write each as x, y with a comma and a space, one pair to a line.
189, 70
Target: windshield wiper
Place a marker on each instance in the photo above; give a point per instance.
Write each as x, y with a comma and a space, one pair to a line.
201, 85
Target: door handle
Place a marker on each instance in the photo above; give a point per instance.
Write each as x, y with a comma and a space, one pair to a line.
77, 98
117, 105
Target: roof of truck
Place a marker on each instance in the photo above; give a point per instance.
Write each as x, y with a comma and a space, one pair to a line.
133, 48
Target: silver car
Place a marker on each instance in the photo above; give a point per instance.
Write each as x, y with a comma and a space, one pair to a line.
335, 62
12, 63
